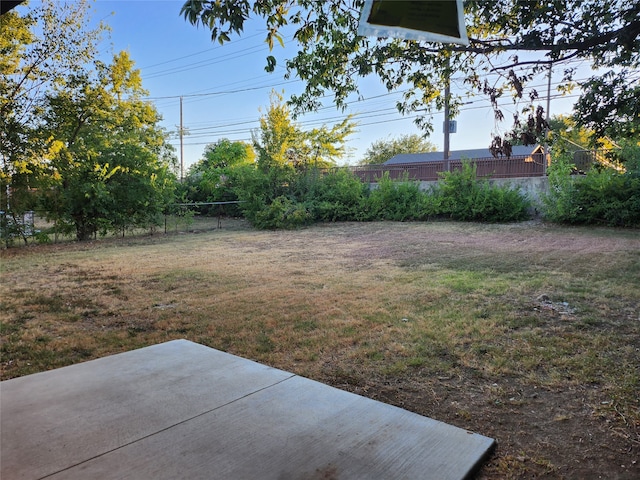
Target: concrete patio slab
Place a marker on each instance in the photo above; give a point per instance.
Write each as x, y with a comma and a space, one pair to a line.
183, 410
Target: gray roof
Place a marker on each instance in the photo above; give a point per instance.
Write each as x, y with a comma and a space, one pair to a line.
456, 155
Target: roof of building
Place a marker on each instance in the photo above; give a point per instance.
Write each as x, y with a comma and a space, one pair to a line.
402, 158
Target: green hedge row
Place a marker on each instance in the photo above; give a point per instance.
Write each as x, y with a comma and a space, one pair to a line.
283, 197
604, 196
309, 197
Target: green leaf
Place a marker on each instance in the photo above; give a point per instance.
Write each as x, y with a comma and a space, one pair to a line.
271, 64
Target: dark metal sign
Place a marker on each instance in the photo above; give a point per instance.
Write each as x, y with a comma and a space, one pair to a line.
423, 20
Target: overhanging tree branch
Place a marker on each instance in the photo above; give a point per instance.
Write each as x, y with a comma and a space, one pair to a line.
331, 56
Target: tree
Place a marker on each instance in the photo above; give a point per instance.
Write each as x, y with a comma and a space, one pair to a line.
511, 43
52, 41
277, 138
107, 169
287, 166
382, 150
568, 137
610, 105
225, 153
565, 128
281, 142
213, 178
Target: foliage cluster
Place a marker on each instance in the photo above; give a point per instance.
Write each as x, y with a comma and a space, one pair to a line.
511, 46
78, 141
339, 195
280, 141
382, 150
294, 181
273, 178
463, 196
213, 178
603, 196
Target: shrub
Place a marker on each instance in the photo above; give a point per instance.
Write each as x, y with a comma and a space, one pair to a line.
42, 237
559, 204
252, 190
457, 190
283, 213
337, 195
603, 196
394, 200
281, 198
462, 196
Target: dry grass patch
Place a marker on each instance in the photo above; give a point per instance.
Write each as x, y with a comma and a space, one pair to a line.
528, 333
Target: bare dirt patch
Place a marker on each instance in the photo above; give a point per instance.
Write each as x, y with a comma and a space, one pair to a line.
527, 333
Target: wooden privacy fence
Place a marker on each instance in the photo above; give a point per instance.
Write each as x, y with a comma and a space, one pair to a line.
513, 167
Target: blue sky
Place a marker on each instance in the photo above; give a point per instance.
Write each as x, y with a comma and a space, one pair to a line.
224, 87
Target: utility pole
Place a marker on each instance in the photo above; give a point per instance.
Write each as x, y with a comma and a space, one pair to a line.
547, 153
446, 121
447, 94
181, 144
549, 94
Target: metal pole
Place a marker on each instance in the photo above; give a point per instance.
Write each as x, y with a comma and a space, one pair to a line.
181, 144
547, 156
549, 93
447, 93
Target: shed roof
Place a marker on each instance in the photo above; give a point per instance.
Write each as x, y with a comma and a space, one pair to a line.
456, 155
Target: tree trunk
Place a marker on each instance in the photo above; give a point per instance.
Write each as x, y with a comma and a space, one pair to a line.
84, 230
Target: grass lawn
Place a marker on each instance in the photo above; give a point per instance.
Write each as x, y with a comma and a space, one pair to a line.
528, 333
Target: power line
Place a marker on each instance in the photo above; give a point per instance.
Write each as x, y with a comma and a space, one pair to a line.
208, 62
196, 53
406, 118
363, 125
365, 114
229, 92
303, 122
203, 63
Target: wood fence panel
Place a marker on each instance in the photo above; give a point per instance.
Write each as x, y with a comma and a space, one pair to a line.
513, 167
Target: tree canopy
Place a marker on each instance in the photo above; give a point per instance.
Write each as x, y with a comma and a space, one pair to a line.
213, 177
511, 43
38, 49
382, 150
77, 140
225, 153
107, 170
281, 142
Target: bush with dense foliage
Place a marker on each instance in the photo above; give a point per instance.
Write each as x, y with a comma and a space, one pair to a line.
394, 200
287, 198
604, 196
462, 196
337, 195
